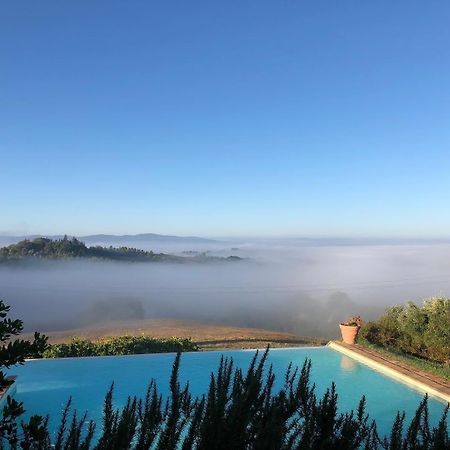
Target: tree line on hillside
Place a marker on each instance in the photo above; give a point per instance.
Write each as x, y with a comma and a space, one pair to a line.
240, 410
74, 248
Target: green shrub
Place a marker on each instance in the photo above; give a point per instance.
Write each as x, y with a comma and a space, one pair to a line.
437, 333
123, 345
420, 331
412, 322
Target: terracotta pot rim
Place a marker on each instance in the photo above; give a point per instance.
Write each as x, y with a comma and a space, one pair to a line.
350, 326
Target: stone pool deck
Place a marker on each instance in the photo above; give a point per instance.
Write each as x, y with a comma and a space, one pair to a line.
433, 385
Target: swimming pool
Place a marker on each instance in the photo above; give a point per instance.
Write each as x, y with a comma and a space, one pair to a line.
45, 385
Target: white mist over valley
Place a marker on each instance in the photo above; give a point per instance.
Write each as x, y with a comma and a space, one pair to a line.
300, 286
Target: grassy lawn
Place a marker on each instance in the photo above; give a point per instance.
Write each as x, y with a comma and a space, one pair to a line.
425, 365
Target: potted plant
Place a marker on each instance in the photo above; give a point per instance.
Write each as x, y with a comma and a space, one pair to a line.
350, 329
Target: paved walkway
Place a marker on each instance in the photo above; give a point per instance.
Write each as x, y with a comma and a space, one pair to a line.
424, 381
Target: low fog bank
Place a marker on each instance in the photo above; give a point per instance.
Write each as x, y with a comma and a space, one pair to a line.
306, 290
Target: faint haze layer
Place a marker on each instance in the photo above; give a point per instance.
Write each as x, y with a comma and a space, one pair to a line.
303, 289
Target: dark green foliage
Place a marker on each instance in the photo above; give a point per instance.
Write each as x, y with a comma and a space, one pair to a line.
420, 331
15, 351
77, 435
32, 434
177, 413
123, 345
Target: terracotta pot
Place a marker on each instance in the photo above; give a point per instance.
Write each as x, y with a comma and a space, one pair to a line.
349, 333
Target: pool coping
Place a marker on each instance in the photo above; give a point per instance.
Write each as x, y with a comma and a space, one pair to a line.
405, 374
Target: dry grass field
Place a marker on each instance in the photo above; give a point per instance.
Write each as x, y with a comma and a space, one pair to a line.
207, 336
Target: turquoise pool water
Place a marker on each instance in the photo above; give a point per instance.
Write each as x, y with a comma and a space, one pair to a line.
45, 385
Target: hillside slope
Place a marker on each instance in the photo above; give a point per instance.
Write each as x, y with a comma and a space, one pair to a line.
206, 335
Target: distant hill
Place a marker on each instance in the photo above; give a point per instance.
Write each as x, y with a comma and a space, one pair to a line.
46, 248
181, 244
123, 239
146, 237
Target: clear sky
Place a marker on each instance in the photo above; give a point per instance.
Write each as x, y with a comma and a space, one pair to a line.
216, 118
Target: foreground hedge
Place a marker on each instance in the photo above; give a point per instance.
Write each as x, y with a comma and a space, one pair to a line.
123, 345
420, 331
240, 411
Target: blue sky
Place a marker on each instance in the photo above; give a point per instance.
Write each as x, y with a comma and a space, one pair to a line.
294, 118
